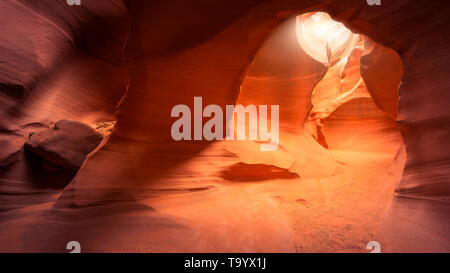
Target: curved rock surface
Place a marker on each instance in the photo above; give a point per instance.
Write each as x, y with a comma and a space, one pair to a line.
134, 61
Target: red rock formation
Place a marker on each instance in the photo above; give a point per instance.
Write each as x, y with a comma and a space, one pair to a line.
65, 145
163, 195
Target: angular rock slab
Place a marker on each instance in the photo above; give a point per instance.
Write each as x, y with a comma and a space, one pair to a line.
66, 144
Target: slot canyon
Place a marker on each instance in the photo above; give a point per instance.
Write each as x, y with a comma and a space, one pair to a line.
86, 152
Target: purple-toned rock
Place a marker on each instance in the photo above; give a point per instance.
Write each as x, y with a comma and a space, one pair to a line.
66, 144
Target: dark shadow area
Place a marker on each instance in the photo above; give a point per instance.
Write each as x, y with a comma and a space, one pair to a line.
255, 172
